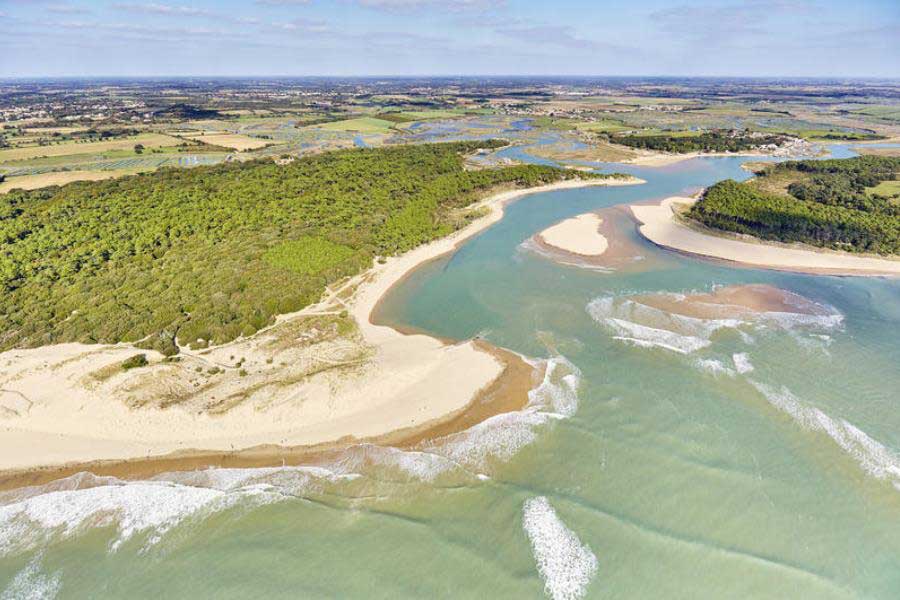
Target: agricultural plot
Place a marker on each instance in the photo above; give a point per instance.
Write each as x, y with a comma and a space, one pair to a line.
602, 126
33, 182
148, 140
359, 125
235, 141
136, 163
424, 115
887, 114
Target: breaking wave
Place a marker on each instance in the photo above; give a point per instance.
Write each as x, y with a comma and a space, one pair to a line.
32, 584
874, 458
714, 367
150, 508
639, 324
565, 564
146, 510
502, 436
742, 363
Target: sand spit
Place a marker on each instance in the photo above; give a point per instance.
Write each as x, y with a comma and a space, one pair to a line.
646, 158
661, 226
579, 235
292, 389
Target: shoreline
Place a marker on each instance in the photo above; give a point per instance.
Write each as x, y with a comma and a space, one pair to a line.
665, 159
659, 224
408, 389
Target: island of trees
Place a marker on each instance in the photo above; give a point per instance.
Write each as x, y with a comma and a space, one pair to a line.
208, 254
829, 203
710, 141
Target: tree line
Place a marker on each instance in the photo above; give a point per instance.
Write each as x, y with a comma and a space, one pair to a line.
827, 205
207, 254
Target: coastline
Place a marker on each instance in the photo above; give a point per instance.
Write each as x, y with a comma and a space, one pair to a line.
408, 388
660, 225
664, 159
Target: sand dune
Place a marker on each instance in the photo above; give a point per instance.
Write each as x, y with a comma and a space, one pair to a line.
72, 403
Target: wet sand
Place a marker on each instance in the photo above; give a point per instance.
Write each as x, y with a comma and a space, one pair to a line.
732, 302
624, 251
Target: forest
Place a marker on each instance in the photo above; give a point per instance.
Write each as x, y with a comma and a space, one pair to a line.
711, 141
825, 204
204, 255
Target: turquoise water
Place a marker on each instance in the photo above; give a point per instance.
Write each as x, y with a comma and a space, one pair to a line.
638, 471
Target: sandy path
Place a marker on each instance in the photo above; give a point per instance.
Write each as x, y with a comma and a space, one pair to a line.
661, 227
53, 413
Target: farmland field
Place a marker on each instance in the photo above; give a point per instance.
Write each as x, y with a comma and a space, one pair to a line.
361, 125
148, 140
33, 182
609, 125
235, 141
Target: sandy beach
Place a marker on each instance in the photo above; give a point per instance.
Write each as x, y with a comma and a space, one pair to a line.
663, 159
661, 226
72, 404
578, 235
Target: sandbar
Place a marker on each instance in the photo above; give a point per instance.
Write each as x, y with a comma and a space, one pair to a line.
578, 235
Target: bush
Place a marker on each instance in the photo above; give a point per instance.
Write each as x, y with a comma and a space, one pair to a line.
134, 362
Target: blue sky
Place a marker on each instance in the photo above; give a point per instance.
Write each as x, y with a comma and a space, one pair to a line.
450, 37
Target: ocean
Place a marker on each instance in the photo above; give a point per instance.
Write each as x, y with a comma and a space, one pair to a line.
659, 456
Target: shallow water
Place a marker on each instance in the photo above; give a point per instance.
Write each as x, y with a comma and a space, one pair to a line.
759, 459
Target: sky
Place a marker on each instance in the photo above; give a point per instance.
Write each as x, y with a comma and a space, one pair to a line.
818, 38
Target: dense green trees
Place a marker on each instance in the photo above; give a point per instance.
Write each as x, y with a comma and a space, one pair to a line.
212, 253
827, 205
711, 141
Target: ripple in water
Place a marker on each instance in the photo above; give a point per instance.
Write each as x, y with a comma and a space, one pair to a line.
874, 458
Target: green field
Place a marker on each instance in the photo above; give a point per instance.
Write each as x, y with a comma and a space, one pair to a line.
889, 114
424, 115
148, 140
359, 125
212, 253
885, 188
602, 125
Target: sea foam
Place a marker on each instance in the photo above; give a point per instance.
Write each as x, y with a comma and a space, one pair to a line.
32, 584
132, 508
647, 326
501, 436
874, 458
565, 564
742, 363
32, 517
